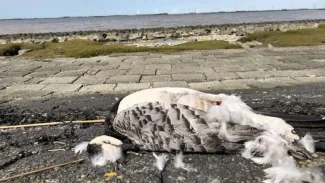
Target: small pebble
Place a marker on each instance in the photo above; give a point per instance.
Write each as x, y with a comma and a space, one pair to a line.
314, 155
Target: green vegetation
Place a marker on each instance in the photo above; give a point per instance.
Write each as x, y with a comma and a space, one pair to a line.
200, 45
9, 49
83, 48
12, 49
301, 37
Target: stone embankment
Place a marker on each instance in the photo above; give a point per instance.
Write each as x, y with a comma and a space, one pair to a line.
209, 32
26, 78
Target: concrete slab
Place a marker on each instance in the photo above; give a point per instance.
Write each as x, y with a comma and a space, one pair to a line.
124, 79
126, 87
91, 80
188, 77
155, 78
61, 88
170, 84
212, 76
210, 85
59, 80
100, 88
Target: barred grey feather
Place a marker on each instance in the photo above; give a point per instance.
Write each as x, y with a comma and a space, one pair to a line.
151, 126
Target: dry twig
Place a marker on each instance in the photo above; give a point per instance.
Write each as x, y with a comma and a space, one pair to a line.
40, 170
52, 124
55, 150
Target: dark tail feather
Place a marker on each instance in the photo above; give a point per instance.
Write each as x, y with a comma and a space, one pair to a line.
109, 130
314, 125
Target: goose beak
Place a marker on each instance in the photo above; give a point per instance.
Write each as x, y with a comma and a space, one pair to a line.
299, 152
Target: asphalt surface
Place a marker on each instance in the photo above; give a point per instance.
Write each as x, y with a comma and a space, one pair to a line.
23, 150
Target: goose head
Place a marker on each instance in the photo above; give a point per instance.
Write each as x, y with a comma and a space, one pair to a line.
298, 151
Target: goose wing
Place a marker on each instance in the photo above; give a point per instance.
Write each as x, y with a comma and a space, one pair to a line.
153, 126
234, 110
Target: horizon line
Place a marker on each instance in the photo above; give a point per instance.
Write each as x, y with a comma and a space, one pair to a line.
146, 14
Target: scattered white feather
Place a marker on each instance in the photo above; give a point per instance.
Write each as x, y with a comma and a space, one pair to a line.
284, 173
161, 161
270, 147
308, 142
290, 173
233, 109
179, 163
81, 147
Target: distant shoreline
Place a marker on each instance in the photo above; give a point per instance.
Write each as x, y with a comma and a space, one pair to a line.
157, 29
172, 14
225, 32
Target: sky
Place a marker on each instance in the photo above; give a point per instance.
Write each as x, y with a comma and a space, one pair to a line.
61, 8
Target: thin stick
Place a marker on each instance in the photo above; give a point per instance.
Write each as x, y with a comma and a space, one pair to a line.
58, 142
54, 150
18, 181
41, 170
53, 123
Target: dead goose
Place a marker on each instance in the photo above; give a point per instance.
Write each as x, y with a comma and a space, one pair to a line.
181, 119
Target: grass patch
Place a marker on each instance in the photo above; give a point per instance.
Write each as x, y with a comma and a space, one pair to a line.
321, 26
31, 46
301, 37
12, 49
200, 45
9, 49
84, 48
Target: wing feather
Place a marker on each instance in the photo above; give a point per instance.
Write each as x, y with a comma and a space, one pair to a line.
155, 127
